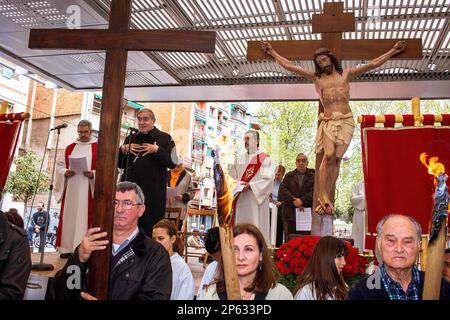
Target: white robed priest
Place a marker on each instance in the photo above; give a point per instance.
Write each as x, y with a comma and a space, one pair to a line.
358, 201
254, 175
74, 188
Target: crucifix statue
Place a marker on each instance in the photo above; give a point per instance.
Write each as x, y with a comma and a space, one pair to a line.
117, 40
336, 123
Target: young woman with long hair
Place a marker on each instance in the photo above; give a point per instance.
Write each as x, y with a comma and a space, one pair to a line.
254, 268
322, 278
165, 232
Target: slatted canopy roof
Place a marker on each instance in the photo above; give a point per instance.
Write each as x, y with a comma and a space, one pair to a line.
227, 75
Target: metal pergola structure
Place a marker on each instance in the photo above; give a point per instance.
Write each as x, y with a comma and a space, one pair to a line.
227, 74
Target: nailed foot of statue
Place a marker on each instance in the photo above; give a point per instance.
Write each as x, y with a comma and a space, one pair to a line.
324, 207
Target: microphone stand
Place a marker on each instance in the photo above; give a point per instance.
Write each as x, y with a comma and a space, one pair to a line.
37, 183
41, 266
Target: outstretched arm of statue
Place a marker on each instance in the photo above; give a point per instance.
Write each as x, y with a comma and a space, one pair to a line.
285, 63
399, 47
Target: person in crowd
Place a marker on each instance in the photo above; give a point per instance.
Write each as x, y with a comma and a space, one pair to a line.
140, 267
279, 175
15, 260
397, 250
254, 174
165, 232
322, 278
40, 221
195, 240
296, 192
257, 280
75, 190
14, 217
145, 157
358, 201
212, 246
181, 180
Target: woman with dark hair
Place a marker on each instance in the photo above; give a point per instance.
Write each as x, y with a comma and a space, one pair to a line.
322, 278
165, 232
254, 268
13, 217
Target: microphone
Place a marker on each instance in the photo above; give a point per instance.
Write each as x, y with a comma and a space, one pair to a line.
61, 126
133, 129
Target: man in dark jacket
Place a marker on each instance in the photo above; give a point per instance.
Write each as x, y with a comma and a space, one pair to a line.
296, 191
398, 278
40, 222
145, 157
15, 260
140, 267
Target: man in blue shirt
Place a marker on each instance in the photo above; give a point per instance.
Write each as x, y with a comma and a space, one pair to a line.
398, 278
279, 174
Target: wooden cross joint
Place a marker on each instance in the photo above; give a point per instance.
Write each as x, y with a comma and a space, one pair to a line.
333, 19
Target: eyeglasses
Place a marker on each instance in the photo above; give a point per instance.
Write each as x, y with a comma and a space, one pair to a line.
126, 204
302, 160
144, 119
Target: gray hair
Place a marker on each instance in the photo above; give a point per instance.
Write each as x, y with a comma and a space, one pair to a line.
131, 186
150, 112
386, 218
85, 123
254, 133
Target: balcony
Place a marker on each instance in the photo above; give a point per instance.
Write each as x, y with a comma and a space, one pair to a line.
199, 136
198, 157
238, 119
200, 114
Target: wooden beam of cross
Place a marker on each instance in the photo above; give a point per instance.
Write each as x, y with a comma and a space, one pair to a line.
117, 40
331, 24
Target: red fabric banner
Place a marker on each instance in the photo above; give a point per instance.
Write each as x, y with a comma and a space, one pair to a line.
9, 132
395, 179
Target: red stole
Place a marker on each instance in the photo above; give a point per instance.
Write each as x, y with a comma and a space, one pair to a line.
68, 152
252, 169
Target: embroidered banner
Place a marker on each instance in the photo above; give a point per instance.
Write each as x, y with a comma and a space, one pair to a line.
395, 179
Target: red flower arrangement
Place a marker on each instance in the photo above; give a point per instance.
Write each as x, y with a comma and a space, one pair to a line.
292, 258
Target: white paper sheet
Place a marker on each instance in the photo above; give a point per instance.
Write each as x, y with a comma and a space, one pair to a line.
238, 188
303, 219
78, 165
171, 192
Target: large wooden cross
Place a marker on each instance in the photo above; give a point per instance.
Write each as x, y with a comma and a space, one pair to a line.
331, 24
117, 40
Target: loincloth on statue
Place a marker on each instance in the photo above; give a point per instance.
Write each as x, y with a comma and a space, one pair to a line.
338, 128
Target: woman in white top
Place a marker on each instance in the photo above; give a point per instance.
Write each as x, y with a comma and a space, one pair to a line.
165, 232
322, 278
254, 268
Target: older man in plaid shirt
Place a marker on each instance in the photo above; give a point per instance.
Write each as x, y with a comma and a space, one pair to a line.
398, 278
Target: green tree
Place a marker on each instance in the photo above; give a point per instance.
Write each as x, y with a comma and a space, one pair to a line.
287, 129
23, 182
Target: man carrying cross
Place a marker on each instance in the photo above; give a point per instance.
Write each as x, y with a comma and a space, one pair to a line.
336, 123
